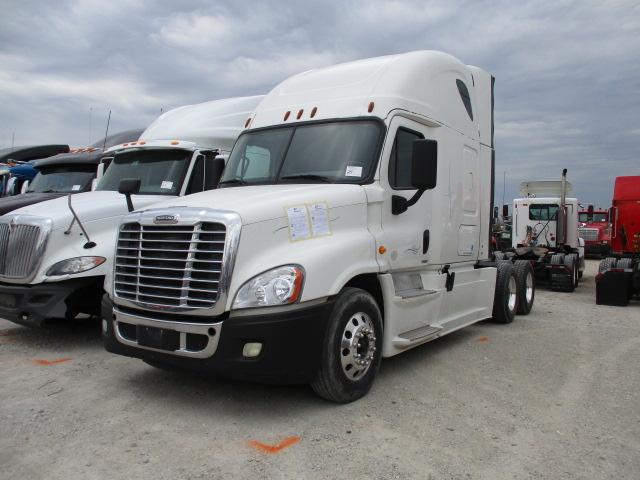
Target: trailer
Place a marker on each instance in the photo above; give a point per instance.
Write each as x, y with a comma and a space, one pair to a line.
618, 278
545, 234
352, 223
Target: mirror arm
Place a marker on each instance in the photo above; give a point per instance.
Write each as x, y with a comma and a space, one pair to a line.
400, 204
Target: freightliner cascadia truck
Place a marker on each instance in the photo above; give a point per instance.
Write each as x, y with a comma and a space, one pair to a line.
618, 278
352, 223
54, 255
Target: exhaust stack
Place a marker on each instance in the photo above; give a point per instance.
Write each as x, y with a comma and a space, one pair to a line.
560, 229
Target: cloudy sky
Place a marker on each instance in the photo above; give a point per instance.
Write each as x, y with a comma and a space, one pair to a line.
567, 72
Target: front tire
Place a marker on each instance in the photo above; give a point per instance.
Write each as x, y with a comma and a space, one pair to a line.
352, 348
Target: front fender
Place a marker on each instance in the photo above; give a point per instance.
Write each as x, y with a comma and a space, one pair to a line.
329, 261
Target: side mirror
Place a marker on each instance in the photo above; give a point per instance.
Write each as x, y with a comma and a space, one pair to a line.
495, 212
217, 168
424, 164
505, 211
128, 187
424, 174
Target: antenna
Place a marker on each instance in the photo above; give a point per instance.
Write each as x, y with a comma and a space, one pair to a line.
104, 144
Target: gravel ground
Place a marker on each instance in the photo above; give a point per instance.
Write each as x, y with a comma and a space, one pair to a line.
553, 395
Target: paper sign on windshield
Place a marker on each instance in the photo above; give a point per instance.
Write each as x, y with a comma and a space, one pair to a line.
353, 171
75, 188
166, 185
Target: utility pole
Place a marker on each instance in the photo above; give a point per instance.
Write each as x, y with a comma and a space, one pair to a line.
13, 139
504, 183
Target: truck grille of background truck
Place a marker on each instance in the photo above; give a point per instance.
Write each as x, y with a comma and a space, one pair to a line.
588, 234
18, 250
170, 266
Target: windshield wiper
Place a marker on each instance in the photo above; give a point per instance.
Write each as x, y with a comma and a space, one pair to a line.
306, 176
233, 181
46, 191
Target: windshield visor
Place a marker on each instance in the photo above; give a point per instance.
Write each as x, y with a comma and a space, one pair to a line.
62, 180
332, 152
161, 172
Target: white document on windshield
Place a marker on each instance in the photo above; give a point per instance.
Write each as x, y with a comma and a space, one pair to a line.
319, 213
298, 223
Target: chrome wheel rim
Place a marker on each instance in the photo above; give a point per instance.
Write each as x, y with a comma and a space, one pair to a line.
358, 346
529, 287
511, 303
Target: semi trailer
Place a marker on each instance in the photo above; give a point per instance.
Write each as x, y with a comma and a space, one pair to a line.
595, 230
352, 223
545, 234
54, 255
618, 278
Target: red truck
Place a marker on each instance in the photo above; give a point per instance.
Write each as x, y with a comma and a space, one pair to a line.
618, 278
595, 230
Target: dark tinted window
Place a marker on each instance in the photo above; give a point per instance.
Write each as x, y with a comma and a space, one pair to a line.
400, 161
543, 212
464, 95
63, 179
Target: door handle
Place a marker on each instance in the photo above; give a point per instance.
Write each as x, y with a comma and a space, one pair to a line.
425, 241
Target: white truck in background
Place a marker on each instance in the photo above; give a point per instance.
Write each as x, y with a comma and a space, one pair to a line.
352, 223
54, 255
545, 233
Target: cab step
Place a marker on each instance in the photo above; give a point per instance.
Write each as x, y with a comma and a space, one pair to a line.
418, 335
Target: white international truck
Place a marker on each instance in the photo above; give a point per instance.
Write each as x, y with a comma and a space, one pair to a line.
352, 223
545, 233
54, 255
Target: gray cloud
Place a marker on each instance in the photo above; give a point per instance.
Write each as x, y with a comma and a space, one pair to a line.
567, 72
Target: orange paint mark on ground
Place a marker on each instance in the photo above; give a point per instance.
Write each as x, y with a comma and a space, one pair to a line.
271, 449
483, 339
48, 363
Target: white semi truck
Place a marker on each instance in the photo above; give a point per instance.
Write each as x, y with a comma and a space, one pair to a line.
54, 255
544, 233
352, 223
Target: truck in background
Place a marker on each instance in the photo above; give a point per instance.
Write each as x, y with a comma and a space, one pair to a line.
545, 234
595, 230
618, 278
54, 255
12, 179
65, 173
352, 223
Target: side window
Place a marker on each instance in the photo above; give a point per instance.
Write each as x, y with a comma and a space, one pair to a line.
464, 95
543, 212
400, 161
196, 182
257, 163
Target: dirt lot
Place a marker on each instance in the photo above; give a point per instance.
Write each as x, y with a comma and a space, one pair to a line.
554, 395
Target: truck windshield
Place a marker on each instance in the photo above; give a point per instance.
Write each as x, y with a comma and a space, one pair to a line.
161, 172
332, 152
597, 218
63, 180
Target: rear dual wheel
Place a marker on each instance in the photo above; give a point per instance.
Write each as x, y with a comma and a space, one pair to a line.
505, 301
526, 286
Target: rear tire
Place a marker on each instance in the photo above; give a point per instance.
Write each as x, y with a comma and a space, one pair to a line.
505, 300
607, 264
352, 348
625, 263
564, 282
526, 286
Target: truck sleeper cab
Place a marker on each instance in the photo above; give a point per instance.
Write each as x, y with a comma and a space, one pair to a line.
351, 223
54, 255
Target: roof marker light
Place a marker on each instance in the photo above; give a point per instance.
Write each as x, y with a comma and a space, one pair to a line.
175, 142
300, 112
125, 144
142, 143
370, 109
246, 124
286, 115
313, 111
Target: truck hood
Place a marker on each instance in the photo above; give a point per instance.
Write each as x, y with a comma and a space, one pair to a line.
8, 204
89, 206
267, 202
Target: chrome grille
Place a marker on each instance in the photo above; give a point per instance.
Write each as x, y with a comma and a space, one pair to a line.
18, 250
588, 234
170, 266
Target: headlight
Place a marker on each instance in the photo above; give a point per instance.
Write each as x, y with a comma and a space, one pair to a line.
75, 265
279, 286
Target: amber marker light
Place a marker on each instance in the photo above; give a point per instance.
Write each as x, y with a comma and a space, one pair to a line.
286, 115
313, 112
300, 112
142, 143
382, 249
175, 142
370, 109
246, 124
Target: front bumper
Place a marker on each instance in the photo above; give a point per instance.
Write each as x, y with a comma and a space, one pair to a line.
291, 342
31, 305
596, 248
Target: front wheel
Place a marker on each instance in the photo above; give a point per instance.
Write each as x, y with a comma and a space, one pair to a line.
352, 348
